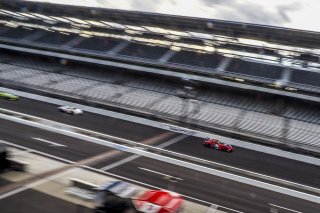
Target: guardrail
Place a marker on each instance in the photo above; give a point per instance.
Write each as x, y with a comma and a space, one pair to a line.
165, 156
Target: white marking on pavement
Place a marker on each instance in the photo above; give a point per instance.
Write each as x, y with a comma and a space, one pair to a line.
281, 207
172, 141
107, 173
154, 187
49, 142
119, 163
36, 151
181, 137
13, 192
133, 157
185, 164
37, 183
195, 133
159, 173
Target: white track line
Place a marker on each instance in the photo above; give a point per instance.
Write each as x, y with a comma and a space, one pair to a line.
159, 173
281, 207
133, 157
160, 125
49, 142
67, 128
155, 187
13, 192
36, 151
120, 162
105, 173
37, 183
185, 164
172, 141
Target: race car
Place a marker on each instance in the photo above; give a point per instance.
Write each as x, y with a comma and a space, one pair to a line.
159, 201
8, 96
70, 110
216, 144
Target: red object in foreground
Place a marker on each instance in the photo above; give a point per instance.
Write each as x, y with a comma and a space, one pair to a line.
159, 201
216, 144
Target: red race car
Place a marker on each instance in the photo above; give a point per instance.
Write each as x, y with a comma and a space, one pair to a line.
216, 144
159, 201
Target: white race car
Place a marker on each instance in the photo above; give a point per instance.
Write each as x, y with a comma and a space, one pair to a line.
70, 110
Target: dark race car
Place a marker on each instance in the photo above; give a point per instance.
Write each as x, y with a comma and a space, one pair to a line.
216, 144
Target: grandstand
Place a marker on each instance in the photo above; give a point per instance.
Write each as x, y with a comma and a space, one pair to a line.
260, 80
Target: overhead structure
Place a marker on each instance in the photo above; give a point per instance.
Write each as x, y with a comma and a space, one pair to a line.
171, 22
248, 53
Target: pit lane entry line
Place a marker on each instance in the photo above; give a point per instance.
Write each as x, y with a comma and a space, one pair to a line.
196, 167
159, 173
281, 207
133, 157
148, 122
98, 171
49, 142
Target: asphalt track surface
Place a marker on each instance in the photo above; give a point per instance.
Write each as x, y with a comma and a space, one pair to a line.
76, 149
254, 161
107, 125
195, 184
259, 162
205, 187
210, 188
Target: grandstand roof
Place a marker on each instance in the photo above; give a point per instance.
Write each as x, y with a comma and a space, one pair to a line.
228, 50
181, 23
